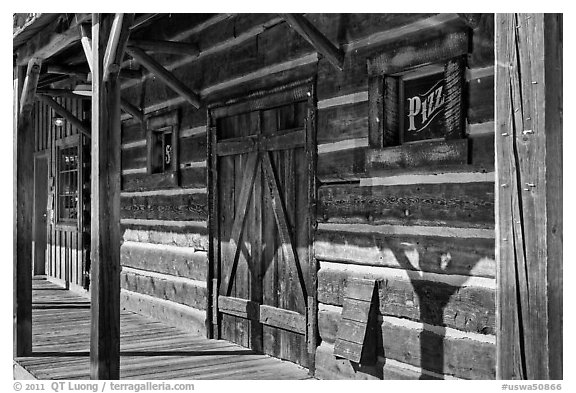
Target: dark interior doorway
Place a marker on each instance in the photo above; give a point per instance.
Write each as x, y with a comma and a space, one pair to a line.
40, 211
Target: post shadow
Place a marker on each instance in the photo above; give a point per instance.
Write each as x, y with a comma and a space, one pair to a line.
432, 300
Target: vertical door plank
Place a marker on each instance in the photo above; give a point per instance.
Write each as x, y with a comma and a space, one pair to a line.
226, 217
271, 280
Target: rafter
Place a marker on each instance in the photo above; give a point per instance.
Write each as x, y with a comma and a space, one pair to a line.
50, 41
61, 93
318, 40
132, 110
172, 47
164, 75
65, 113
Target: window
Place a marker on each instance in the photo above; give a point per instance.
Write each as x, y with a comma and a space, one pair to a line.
68, 180
421, 104
416, 104
162, 141
162, 150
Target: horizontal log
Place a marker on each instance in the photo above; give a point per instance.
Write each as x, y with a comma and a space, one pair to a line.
134, 158
342, 122
418, 52
133, 131
349, 164
480, 99
467, 308
193, 237
173, 260
178, 291
433, 153
459, 205
433, 352
327, 366
173, 47
187, 318
436, 254
184, 207
193, 177
193, 149
260, 100
145, 181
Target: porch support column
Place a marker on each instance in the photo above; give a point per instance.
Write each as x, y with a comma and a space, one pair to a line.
105, 223
25, 83
529, 196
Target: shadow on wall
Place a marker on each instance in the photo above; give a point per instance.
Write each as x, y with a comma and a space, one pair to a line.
432, 300
435, 295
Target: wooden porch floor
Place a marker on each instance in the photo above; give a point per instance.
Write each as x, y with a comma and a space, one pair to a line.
149, 349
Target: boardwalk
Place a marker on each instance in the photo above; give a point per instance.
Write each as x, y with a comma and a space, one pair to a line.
149, 349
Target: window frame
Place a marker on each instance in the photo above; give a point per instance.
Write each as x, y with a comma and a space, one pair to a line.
385, 75
161, 123
62, 144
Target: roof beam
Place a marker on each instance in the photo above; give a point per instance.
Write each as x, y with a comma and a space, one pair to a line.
65, 113
164, 75
62, 93
172, 47
318, 40
143, 20
50, 41
132, 110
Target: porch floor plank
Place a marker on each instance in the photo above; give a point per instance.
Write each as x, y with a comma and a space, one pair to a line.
149, 349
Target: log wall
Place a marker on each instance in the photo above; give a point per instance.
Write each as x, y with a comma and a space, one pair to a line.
425, 232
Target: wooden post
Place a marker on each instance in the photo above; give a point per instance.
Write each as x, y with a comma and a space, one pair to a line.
529, 195
105, 223
23, 197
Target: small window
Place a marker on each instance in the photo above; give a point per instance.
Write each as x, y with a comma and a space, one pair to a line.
421, 104
162, 141
68, 180
416, 91
162, 154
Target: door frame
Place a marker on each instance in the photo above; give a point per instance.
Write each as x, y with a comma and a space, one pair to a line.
259, 100
41, 155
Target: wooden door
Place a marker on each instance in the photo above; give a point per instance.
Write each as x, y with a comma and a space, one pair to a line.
40, 213
262, 229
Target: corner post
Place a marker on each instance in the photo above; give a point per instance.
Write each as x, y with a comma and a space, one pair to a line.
25, 83
105, 224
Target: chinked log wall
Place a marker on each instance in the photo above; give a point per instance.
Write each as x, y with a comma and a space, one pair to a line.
433, 250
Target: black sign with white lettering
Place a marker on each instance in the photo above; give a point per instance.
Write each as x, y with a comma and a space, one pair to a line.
424, 108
